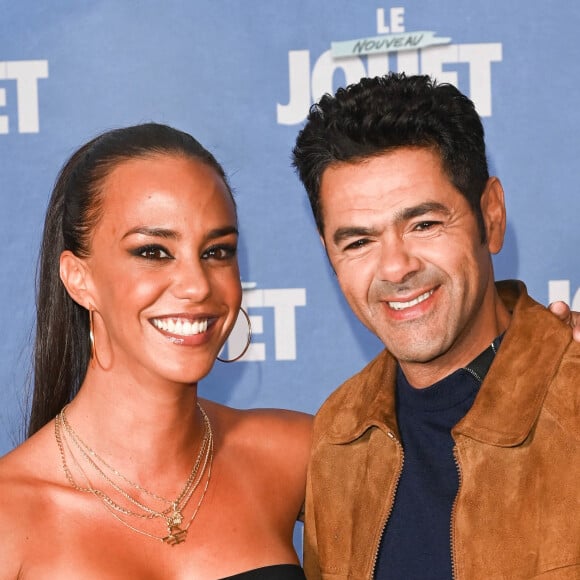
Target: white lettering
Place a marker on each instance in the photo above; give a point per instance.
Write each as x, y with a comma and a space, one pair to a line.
432, 62
408, 62
397, 21
26, 74
3, 118
378, 64
284, 302
480, 57
300, 99
304, 87
239, 337
324, 69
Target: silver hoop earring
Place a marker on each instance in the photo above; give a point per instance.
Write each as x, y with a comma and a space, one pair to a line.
248, 341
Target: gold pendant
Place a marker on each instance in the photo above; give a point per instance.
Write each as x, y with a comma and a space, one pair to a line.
176, 535
175, 518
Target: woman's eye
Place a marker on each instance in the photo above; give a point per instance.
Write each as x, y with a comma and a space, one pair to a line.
153, 253
224, 252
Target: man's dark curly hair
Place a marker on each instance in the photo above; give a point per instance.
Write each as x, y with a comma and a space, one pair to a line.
378, 115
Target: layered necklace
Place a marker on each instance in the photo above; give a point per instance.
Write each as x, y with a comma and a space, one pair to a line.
124, 506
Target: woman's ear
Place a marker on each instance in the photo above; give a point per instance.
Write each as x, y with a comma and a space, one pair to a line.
74, 275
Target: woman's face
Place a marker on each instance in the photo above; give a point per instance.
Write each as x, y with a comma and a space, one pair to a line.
163, 270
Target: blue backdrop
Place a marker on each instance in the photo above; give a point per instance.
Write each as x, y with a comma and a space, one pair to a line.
240, 77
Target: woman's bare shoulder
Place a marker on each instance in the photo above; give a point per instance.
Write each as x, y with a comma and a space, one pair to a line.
25, 477
25, 459
26, 471
270, 449
273, 437
12, 494
258, 427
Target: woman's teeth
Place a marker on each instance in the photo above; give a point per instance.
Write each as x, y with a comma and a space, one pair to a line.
414, 302
180, 326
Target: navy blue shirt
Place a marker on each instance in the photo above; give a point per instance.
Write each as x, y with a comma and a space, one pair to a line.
416, 543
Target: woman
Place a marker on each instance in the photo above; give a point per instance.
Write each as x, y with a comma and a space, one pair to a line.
136, 477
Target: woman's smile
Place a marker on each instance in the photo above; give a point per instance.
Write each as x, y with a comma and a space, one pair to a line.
179, 326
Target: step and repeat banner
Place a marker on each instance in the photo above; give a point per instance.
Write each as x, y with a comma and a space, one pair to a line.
240, 77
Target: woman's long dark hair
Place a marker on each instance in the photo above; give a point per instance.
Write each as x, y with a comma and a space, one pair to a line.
61, 347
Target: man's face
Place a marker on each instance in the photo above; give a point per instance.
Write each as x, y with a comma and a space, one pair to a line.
407, 251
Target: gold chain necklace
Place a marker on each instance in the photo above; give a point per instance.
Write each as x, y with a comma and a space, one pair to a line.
174, 505
175, 518
95, 458
173, 515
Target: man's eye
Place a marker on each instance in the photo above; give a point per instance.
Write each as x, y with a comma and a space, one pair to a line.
422, 226
222, 252
357, 244
152, 253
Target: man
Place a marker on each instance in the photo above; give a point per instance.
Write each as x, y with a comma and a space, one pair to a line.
454, 454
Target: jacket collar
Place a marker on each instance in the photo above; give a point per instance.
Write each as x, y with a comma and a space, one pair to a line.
513, 391
509, 399
365, 400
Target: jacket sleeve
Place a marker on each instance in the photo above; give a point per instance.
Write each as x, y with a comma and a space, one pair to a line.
311, 558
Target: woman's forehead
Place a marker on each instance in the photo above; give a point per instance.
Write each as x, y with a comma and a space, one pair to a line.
165, 188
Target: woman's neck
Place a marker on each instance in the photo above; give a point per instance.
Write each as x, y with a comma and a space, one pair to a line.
147, 432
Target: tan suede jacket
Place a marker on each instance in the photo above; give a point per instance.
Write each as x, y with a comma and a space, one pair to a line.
517, 512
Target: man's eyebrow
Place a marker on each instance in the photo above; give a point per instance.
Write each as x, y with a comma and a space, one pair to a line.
421, 209
346, 233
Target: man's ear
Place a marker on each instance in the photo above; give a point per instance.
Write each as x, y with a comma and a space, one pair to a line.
74, 275
494, 215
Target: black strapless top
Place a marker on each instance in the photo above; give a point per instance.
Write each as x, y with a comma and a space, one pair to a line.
278, 572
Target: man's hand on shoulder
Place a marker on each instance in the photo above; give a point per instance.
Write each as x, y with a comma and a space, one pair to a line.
563, 312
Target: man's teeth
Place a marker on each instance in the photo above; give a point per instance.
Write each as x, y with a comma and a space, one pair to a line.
414, 302
180, 326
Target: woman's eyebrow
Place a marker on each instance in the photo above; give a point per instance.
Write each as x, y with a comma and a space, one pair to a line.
220, 232
152, 232
167, 233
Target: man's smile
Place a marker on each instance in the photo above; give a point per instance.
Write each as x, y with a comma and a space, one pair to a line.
409, 304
